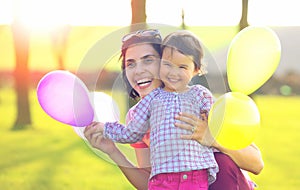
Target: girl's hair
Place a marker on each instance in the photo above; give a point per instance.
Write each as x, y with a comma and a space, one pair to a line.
151, 37
188, 44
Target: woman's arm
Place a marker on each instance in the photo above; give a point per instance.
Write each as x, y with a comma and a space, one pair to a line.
136, 176
249, 158
143, 158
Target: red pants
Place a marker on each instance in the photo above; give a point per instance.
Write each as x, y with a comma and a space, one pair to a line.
229, 177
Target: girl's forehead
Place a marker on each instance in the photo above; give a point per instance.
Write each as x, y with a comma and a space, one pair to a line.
174, 55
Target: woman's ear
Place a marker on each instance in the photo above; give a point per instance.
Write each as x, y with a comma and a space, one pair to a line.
196, 71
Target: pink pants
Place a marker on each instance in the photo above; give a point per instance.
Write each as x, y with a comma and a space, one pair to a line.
191, 180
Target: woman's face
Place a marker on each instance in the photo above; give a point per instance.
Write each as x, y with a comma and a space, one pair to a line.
142, 68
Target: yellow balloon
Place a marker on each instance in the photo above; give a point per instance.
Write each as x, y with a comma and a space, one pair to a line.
234, 120
253, 56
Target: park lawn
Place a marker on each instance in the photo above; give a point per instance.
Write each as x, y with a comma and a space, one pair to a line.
51, 156
278, 141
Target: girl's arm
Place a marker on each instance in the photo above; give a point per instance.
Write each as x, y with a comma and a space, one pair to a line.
249, 158
138, 177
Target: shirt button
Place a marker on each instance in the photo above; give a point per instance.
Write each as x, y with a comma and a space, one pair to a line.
184, 176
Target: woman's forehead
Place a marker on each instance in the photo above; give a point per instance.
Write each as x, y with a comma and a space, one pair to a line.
139, 51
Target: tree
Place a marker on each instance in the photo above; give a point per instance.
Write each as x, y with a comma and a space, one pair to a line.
244, 18
183, 26
21, 37
59, 38
138, 12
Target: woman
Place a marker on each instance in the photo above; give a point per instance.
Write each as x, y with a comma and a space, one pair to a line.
141, 51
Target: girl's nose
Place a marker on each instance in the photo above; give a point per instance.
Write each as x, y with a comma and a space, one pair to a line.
173, 71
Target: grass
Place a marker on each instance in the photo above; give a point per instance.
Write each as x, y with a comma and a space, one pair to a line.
52, 156
278, 140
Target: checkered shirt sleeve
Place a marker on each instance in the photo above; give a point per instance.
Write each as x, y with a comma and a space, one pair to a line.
203, 96
136, 128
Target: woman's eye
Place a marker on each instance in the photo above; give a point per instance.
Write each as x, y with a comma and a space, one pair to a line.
130, 64
148, 60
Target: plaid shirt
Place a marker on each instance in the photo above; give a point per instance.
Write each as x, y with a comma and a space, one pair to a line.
169, 153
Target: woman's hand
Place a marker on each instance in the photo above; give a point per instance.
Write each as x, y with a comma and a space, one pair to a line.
94, 134
199, 127
249, 158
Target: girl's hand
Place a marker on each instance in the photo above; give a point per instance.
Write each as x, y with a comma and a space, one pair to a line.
199, 127
94, 134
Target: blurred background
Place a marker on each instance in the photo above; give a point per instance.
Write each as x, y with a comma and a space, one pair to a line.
37, 37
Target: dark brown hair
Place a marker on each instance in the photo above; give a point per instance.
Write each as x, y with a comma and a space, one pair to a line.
155, 41
186, 43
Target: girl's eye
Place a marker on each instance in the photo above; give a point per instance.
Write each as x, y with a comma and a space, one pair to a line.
183, 67
166, 64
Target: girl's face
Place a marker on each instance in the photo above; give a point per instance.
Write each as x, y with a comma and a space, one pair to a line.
142, 68
176, 70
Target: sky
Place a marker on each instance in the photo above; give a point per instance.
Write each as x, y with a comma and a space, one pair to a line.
48, 13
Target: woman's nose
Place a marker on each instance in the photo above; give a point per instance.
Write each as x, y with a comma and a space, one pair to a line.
140, 68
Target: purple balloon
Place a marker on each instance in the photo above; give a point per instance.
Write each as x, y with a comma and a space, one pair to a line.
65, 98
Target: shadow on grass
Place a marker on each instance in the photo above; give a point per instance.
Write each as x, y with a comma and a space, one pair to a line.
36, 159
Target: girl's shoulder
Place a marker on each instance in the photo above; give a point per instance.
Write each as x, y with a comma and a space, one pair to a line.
199, 89
199, 92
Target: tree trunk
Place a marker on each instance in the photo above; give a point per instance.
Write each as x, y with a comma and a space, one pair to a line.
59, 38
138, 11
21, 74
183, 26
244, 18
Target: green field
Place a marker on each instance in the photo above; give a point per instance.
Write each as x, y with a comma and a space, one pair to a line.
50, 156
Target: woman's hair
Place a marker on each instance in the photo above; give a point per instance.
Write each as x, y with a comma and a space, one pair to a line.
188, 44
151, 37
